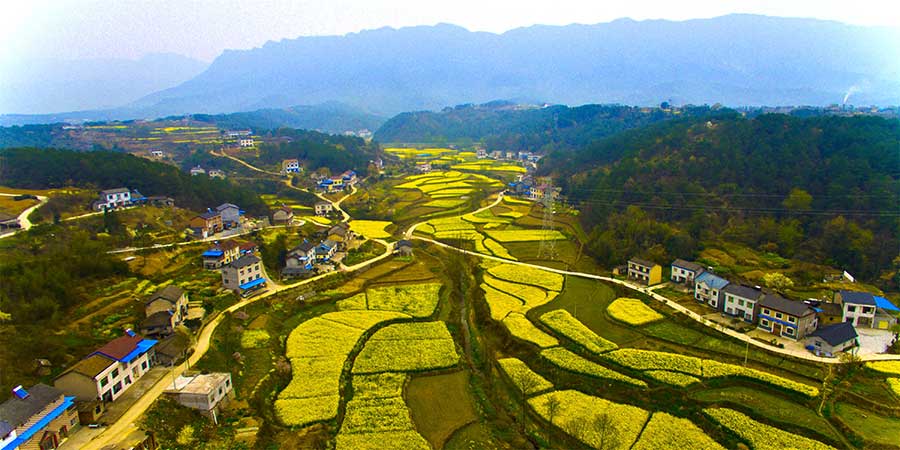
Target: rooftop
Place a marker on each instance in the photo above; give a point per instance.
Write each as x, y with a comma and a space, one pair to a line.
225, 206
125, 348
91, 366
208, 215
836, 334
171, 293
114, 191
858, 298
244, 261
779, 303
711, 280
17, 412
742, 291
158, 319
692, 266
642, 262
198, 384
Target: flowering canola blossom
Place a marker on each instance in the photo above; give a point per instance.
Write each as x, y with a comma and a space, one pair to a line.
666, 431
567, 360
523, 377
408, 347
377, 417
632, 311
318, 349
760, 435
576, 410
565, 324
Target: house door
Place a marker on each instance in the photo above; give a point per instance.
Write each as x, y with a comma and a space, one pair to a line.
776, 329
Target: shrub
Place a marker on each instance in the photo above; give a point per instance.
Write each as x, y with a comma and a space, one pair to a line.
632, 311
563, 323
759, 435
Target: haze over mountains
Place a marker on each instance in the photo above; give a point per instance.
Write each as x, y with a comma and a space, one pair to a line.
734, 60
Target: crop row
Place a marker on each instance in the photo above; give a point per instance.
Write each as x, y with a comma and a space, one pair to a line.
632, 311
575, 412
528, 275
417, 300
759, 435
521, 328
571, 362
565, 324
531, 296
672, 378
408, 347
650, 360
318, 349
525, 235
888, 367
500, 303
498, 250
894, 384
526, 380
667, 431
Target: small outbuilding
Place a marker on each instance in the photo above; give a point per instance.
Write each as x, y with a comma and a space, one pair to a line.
831, 339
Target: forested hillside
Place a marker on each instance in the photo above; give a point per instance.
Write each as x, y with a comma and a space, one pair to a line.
506, 126
823, 188
336, 152
31, 168
329, 117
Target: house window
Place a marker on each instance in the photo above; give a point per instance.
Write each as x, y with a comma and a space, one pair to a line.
104, 381
764, 322
778, 315
114, 374
792, 319
789, 331
740, 303
117, 387
767, 312
144, 365
851, 308
818, 343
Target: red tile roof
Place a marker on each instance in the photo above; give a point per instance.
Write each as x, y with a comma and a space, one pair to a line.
120, 347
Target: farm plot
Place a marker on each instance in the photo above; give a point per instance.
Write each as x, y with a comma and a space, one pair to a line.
408, 347
672, 378
523, 377
525, 235
489, 166
318, 349
528, 275
371, 229
530, 296
565, 324
667, 431
575, 409
886, 367
419, 153
377, 416
759, 435
521, 328
632, 311
417, 300
571, 362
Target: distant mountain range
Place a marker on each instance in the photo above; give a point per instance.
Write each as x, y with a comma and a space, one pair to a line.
734, 60
39, 86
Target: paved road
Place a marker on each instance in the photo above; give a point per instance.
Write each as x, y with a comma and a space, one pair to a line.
24, 223
672, 304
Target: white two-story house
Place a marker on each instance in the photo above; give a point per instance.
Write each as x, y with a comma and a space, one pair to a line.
110, 370
741, 301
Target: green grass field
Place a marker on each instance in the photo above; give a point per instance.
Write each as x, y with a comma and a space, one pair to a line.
440, 405
872, 427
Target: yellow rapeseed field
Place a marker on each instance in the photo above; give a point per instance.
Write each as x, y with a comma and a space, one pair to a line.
371, 229
565, 324
759, 435
667, 431
632, 311
571, 362
576, 410
523, 377
521, 328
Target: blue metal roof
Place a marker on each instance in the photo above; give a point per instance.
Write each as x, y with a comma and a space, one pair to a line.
711, 280
141, 348
40, 425
213, 253
254, 283
884, 303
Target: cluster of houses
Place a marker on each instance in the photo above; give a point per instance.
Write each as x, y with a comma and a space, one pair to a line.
243, 138
224, 217
314, 256
239, 265
338, 183
110, 199
526, 187
43, 417
212, 173
826, 327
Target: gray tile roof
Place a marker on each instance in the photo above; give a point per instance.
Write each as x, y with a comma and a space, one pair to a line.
692, 266
836, 334
742, 291
642, 262
171, 293
244, 261
858, 298
779, 303
16, 411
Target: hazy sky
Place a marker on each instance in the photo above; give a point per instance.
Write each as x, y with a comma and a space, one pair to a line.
203, 28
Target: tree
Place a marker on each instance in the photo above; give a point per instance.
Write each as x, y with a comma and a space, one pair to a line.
606, 432
797, 200
553, 406
778, 281
186, 436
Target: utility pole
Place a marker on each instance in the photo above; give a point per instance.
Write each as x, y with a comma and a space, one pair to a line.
547, 249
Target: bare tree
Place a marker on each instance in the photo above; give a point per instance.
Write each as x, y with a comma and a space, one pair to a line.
526, 386
607, 435
552, 409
